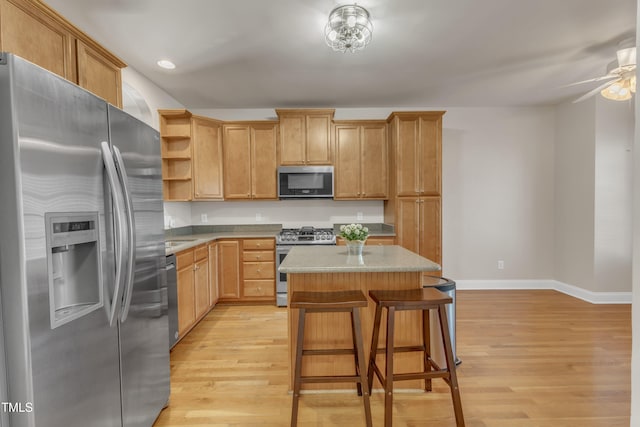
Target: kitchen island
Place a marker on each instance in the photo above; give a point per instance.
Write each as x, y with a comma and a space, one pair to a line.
327, 268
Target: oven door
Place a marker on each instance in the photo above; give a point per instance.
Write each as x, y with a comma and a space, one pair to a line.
281, 278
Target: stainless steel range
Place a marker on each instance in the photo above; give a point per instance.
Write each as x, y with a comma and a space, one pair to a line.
290, 237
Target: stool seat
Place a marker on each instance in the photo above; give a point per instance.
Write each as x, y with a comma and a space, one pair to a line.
330, 300
414, 298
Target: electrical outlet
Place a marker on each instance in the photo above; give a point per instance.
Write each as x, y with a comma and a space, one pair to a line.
500, 264
204, 218
359, 216
258, 216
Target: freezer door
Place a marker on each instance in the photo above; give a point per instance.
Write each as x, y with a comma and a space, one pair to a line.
144, 330
68, 372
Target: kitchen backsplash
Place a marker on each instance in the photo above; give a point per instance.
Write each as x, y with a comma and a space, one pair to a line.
289, 213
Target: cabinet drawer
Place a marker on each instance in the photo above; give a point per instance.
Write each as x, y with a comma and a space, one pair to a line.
201, 252
184, 258
259, 288
259, 270
259, 244
259, 256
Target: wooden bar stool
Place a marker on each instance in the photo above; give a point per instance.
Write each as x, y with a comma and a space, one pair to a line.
324, 302
413, 299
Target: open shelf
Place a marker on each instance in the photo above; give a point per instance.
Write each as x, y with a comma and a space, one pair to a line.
175, 133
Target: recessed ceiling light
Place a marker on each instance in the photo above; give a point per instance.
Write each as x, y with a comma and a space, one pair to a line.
165, 63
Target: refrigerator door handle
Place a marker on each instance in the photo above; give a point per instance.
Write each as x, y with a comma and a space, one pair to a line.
131, 254
121, 236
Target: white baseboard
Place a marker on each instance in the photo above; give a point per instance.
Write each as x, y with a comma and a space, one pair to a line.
574, 291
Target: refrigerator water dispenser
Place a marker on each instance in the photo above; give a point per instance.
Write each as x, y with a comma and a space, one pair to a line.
73, 265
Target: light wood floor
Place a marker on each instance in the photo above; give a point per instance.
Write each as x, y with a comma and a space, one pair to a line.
530, 359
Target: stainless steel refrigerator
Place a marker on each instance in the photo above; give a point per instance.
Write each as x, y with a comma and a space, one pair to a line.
82, 283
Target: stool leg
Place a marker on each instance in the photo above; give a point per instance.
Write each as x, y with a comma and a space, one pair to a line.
374, 344
388, 383
355, 317
355, 347
297, 377
426, 342
451, 365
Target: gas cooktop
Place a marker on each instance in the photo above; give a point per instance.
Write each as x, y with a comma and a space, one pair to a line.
306, 236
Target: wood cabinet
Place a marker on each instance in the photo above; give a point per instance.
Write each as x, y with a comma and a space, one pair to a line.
186, 291
175, 137
305, 136
246, 270
361, 170
259, 271
98, 74
371, 241
213, 273
415, 162
193, 287
229, 269
418, 226
416, 139
201, 280
250, 160
34, 31
206, 137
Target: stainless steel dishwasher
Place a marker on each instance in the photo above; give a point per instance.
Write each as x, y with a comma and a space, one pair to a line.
172, 299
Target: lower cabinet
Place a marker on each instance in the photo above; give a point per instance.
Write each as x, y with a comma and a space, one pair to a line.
246, 270
186, 291
213, 273
193, 287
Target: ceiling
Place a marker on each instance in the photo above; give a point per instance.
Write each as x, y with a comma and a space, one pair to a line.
424, 53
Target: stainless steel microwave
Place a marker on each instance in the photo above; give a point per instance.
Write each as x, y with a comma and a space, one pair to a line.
311, 182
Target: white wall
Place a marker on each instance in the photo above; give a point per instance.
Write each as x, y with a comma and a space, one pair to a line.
289, 213
498, 193
635, 315
156, 98
613, 195
574, 193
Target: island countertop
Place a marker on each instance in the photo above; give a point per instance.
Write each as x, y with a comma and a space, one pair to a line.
334, 259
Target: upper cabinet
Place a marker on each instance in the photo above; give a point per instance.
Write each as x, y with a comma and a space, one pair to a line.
305, 136
175, 137
32, 30
361, 170
206, 135
417, 143
250, 160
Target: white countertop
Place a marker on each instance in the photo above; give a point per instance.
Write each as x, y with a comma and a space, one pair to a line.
335, 259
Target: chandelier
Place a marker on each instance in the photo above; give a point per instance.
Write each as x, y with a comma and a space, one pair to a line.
348, 29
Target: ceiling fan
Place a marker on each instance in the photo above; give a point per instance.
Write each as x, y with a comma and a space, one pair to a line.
620, 78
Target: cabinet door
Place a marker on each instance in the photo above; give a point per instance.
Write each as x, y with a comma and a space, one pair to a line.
374, 171
186, 295
229, 269
318, 141
29, 33
201, 284
405, 134
408, 223
213, 274
237, 161
347, 166
207, 159
292, 139
430, 155
99, 75
430, 226
264, 161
